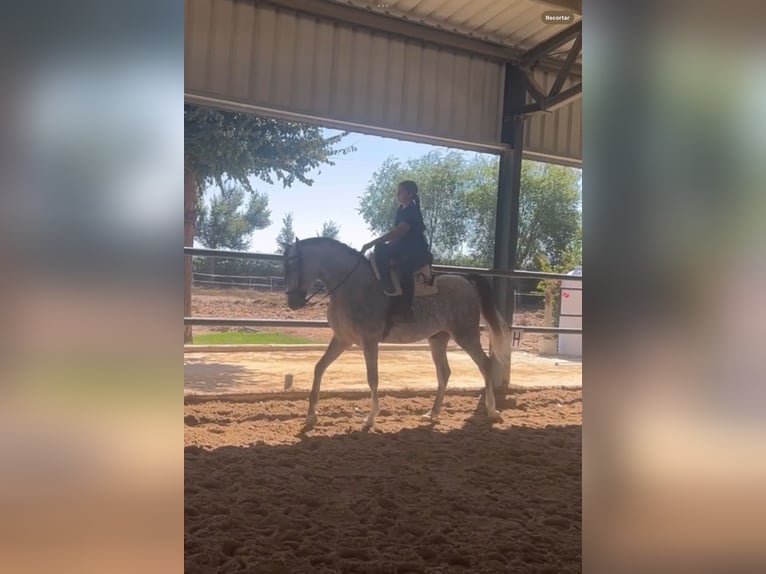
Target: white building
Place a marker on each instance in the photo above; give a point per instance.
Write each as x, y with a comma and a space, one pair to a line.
570, 315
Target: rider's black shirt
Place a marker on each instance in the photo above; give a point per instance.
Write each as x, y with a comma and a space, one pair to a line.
414, 242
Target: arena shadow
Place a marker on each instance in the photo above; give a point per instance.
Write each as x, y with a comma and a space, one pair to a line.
205, 377
476, 499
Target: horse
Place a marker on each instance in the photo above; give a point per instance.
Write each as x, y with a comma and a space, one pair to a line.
358, 313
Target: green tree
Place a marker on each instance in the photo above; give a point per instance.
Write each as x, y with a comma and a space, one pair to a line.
220, 146
549, 218
549, 215
329, 229
287, 234
481, 204
551, 288
378, 203
442, 198
227, 221
237, 267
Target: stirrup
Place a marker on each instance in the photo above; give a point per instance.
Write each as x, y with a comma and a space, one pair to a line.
389, 289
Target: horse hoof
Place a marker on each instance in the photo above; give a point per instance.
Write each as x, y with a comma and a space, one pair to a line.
430, 417
496, 418
309, 424
367, 425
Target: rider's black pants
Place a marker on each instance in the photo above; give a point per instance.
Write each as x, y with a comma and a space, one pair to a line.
407, 263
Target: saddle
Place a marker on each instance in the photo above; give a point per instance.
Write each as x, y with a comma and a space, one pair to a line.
424, 279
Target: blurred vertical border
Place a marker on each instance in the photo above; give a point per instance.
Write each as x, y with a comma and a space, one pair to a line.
91, 183
674, 203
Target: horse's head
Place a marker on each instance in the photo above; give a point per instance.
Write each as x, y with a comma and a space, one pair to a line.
295, 287
302, 269
317, 259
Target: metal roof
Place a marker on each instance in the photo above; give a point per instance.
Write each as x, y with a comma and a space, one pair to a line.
515, 24
424, 70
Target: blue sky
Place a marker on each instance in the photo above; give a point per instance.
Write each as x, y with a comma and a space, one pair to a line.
335, 192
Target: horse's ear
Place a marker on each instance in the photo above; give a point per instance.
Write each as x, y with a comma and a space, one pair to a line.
296, 239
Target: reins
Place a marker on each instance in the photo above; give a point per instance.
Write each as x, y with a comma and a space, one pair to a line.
307, 301
334, 289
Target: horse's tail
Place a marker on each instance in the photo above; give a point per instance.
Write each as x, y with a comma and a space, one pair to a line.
499, 330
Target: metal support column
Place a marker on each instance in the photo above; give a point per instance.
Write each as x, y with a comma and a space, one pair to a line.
509, 187
509, 194
502, 232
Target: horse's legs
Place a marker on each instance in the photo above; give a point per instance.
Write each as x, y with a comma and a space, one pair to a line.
438, 345
471, 344
334, 350
371, 360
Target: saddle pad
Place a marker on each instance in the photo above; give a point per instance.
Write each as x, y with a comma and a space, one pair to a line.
424, 284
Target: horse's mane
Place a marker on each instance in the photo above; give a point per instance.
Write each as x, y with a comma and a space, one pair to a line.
334, 243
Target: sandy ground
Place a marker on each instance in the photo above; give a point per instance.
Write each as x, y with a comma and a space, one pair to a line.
244, 303
256, 372
213, 373
458, 497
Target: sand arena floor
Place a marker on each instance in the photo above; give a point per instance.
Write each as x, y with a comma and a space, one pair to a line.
215, 373
460, 496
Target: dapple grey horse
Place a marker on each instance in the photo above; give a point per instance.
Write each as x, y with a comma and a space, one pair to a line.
358, 311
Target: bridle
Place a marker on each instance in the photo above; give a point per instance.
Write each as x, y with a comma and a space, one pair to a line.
306, 301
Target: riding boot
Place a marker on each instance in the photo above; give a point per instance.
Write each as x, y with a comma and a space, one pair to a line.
408, 290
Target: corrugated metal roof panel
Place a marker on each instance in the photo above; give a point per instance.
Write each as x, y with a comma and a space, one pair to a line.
276, 61
513, 23
554, 135
279, 60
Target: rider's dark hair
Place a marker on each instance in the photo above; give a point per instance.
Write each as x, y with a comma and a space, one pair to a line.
412, 188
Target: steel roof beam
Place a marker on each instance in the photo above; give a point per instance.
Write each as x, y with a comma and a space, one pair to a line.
533, 87
564, 71
557, 101
555, 41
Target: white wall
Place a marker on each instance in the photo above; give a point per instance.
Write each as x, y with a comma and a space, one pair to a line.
570, 316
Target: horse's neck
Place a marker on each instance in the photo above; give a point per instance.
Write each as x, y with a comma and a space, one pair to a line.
351, 284
339, 267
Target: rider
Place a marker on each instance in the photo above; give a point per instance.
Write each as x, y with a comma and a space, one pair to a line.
405, 243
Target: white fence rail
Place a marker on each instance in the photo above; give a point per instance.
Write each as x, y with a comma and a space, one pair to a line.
517, 274
249, 281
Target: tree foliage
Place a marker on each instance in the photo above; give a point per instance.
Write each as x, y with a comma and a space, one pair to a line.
329, 229
224, 146
286, 235
229, 269
442, 198
550, 220
458, 198
378, 204
549, 215
481, 203
221, 145
227, 220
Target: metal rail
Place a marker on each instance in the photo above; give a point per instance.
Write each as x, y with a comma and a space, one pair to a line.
242, 322
513, 274
224, 254
297, 323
